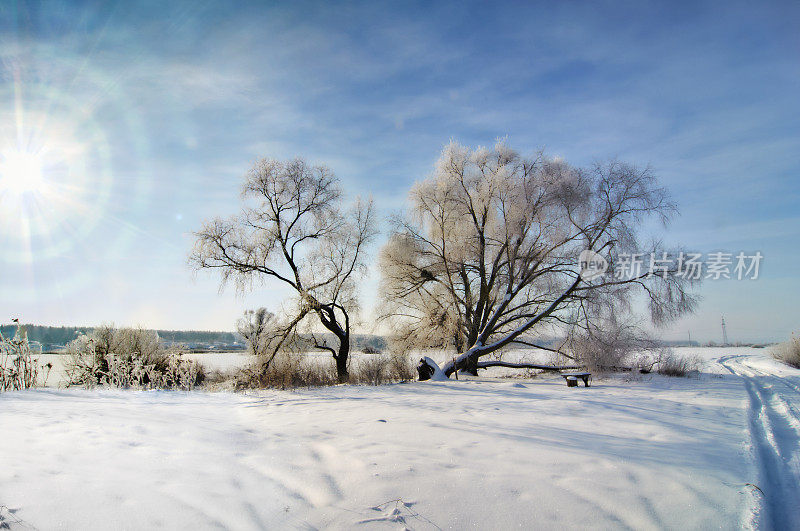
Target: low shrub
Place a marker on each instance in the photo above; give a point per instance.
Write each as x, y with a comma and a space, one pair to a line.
285, 371
788, 352
369, 349
401, 368
671, 364
371, 370
289, 369
129, 358
607, 349
377, 370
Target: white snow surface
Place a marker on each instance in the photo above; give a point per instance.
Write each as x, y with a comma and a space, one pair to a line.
719, 450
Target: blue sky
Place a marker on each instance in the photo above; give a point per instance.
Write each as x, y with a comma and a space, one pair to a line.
151, 112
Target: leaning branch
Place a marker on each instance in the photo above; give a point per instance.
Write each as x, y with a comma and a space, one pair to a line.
486, 364
550, 349
479, 349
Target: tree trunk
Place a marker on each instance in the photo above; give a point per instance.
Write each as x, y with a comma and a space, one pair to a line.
471, 365
341, 359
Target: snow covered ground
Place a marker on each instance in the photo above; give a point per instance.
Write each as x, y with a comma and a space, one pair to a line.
720, 450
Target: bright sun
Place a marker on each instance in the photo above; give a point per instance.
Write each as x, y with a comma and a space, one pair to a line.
21, 173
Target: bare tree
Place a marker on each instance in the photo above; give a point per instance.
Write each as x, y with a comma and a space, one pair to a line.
258, 328
294, 231
489, 252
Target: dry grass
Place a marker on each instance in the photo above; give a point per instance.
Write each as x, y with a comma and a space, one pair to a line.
381, 369
788, 352
371, 370
291, 370
285, 371
671, 364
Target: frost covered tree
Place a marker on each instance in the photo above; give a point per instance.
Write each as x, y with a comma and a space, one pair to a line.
259, 329
295, 231
487, 257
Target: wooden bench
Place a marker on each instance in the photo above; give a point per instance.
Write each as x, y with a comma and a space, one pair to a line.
572, 378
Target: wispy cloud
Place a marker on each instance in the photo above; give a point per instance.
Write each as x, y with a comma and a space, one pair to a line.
184, 101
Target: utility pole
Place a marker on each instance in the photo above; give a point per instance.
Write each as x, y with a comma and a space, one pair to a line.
690, 338
724, 332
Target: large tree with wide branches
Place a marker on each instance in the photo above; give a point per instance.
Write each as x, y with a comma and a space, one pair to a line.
487, 257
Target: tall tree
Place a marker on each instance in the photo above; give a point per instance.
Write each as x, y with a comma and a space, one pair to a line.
489, 252
293, 230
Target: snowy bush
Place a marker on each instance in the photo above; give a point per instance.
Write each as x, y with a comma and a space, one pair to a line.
788, 352
617, 345
603, 352
18, 368
286, 370
370, 370
401, 368
377, 370
671, 364
369, 349
292, 369
129, 357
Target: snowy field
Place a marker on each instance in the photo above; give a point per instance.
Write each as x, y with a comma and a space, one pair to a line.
720, 450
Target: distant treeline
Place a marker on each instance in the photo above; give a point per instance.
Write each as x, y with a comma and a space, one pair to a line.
51, 336
198, 336
47, 335
61, 335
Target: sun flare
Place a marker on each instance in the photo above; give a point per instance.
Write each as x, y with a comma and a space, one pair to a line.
22, 173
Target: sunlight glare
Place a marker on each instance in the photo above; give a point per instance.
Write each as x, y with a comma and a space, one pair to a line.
22, 173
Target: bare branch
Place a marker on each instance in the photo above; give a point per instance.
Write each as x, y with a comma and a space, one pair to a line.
489, 250
292, 229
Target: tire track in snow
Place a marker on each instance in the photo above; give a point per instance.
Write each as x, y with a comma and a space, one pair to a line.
774, 431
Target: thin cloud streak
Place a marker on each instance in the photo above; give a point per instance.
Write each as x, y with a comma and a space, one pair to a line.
188, 100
